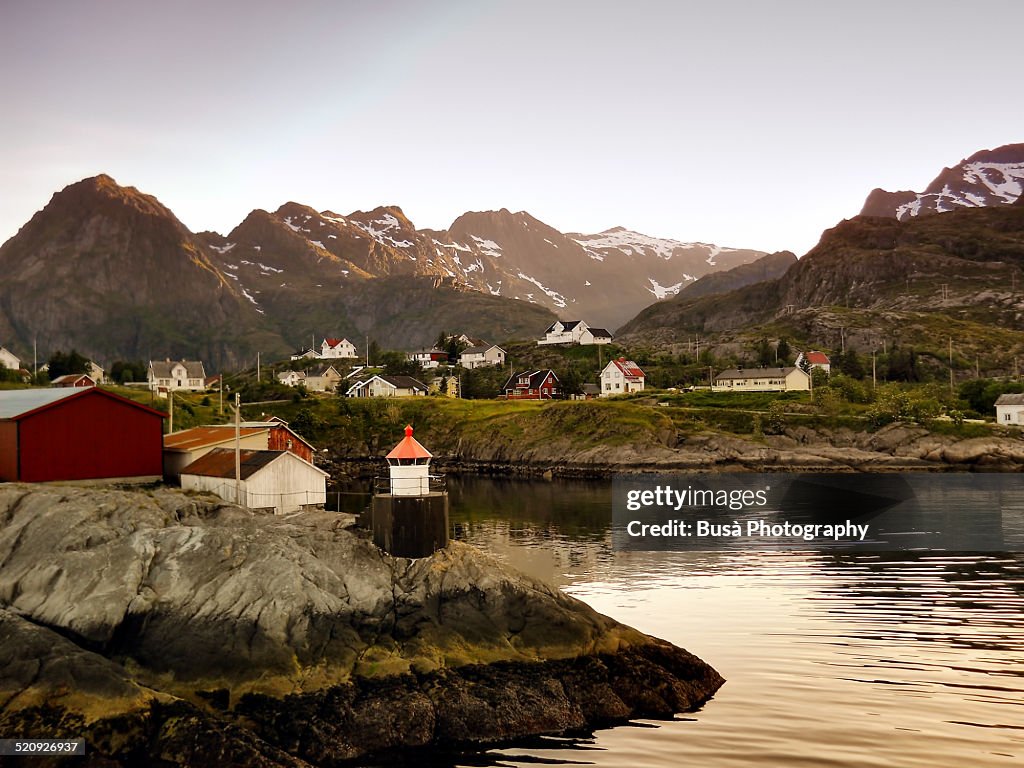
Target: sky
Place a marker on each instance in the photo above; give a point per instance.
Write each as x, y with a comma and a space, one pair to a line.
752, 124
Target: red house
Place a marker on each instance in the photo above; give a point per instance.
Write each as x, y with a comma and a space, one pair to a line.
78, 433
532, 385
74, 380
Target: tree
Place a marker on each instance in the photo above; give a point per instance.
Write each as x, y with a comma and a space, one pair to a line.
372, 352
765, 353
572, 383
128, 370
454, 348
61, 364
783, 351
397, 364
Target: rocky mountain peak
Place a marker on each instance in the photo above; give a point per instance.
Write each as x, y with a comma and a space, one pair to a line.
989, 177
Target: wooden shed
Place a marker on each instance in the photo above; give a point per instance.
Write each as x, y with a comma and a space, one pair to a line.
277, 481
78, 433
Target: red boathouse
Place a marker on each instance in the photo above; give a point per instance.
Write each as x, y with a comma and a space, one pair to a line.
77, 434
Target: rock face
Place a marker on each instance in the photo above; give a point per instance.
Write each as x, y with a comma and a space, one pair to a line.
175, 628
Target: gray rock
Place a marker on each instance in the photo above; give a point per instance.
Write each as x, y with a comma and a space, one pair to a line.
187, 618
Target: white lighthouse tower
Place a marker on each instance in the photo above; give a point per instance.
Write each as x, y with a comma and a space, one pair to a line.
411, 518
409, 467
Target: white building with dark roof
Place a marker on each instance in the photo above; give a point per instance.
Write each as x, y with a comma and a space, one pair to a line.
387, 386
176, 375
574, 332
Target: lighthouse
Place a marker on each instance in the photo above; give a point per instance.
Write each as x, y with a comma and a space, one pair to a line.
409, 513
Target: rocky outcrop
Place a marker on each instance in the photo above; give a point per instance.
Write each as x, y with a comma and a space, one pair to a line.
175, 628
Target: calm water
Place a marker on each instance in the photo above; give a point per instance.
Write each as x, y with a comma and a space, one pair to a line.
858, 660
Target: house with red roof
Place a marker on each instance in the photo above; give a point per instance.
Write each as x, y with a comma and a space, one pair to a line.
621, 376
815, 359
74, 380
331, 348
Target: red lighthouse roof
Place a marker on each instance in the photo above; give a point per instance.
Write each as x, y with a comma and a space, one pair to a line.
409, 448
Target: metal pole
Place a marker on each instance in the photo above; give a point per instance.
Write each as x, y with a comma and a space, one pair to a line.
238, 448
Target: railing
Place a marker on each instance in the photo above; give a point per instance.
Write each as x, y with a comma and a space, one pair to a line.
435, 483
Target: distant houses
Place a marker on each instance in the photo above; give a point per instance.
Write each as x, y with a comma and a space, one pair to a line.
429, 358
762, 380
292, 378
176, 375
532, 385
574, 332
77, 433
621, 376
324, 379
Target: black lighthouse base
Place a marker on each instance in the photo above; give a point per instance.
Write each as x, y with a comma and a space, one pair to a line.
410, 526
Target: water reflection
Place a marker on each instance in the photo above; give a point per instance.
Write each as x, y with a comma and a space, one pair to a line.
831, 659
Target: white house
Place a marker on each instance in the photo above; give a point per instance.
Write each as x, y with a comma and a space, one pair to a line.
564, 332
275, 481
172, 375
97, 373
595, 336
387, 386
186, 446
574, 332
291, 378
621, 376
479, 356
815, 359
1010, 409
762, 380
8, 360
332, 348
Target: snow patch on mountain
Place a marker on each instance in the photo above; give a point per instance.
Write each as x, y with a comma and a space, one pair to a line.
222, 249
378, 229
1002, 181
628, 242
555, 296
487, 247
663, 291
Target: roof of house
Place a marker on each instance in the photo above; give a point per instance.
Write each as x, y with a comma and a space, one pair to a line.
404, 382
335, 342
409, 448
4, 349
287, 374
19, 403
480, 349
220, 462
537, 378
601, 332
327, 371
1011, 399
69, 377
201, 437
567, 325
162, 368
273, 422
816, 358
757, 373
628, 368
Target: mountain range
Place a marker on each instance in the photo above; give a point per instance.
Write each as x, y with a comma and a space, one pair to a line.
112, 272
987, 178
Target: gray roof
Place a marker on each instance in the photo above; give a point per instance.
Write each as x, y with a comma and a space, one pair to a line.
601, 332
162, 368
479, 350
567, 325
756, 373
15, 402
1011, 399
404, 382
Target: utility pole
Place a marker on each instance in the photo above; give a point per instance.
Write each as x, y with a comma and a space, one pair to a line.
977, 366
220, 392
367, 350
874, 381
258, 379
35, 366
170, 410
951, 365
238, 448
842, 339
